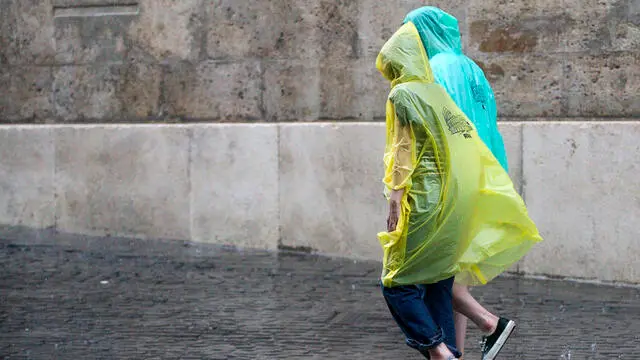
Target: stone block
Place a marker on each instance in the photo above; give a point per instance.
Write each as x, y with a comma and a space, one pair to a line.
526, 85
91, 3
371, 91
108, 93
624, 25
291, 91
521, 26
581, 188
337, 24
607, 85
25, 94
27, 32
123, 181
214, 90
331, 194
26, 176
602, 26
107, 31
275, 29
352, 89
87, 39
512, 136
169, 30
272, 29
139, 89
86, 92
338, 97
546, 26
234, 182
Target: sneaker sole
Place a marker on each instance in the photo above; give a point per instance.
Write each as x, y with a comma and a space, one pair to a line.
508, 330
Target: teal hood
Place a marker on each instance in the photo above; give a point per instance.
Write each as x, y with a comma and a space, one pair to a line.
460, 76
438, 30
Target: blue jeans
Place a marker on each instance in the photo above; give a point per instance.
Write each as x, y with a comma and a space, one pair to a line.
424, 314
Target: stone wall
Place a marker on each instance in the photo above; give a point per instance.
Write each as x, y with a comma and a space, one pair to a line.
566, 73
301, 60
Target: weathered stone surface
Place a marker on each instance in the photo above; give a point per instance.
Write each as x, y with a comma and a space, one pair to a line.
337, 23
330, 191
161, 30
80, 3
26, 176
291, 91
317, 57
26, 32
273, 29
581, 188
139, 89
352, 90
234, 182
86, 92
553, 26
371, 91
521, 26
109, 93
25, 94
123, 180
526, 85
623, 22
607, 85
338, 97
169, 29
603, 26
71, 82
512, 136
214, 90
87, 39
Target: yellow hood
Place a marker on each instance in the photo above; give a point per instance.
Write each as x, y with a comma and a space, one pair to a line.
403, 57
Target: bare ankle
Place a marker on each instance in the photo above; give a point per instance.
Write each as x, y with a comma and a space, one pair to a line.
490, 323
441, 352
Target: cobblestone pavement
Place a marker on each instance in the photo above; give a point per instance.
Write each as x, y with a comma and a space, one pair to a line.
80, 298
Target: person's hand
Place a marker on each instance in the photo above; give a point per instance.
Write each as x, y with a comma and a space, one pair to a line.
394, 215
395, 201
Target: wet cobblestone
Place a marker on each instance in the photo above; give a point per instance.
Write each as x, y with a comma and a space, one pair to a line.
88, 298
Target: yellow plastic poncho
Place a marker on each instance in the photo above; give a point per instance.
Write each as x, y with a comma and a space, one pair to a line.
461, 215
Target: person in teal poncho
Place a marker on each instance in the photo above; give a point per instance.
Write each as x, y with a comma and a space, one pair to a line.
468, 87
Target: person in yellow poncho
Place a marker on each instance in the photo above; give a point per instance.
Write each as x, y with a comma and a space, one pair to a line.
453, 208
467, 85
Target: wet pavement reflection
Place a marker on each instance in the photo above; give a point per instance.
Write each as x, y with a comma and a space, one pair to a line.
104, 298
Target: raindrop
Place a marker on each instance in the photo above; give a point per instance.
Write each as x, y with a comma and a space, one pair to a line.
566, 354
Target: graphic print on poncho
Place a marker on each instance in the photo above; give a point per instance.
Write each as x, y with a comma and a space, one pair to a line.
457, 123
478, 93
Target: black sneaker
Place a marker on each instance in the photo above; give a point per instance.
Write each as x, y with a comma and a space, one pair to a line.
492, 344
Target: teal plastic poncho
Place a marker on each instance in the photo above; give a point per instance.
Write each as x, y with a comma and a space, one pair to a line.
460, 76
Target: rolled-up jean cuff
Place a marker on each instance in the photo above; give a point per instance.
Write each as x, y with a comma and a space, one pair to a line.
433, 342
